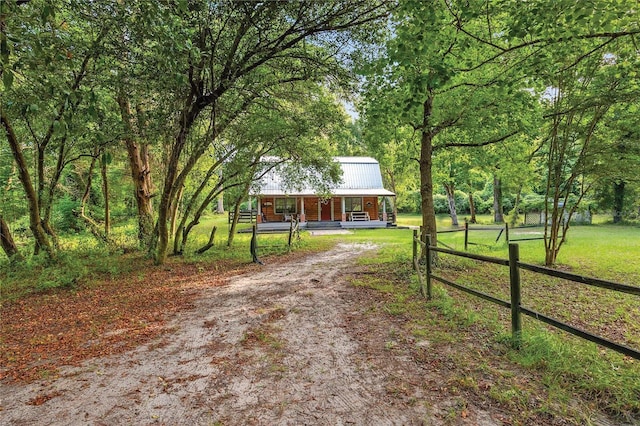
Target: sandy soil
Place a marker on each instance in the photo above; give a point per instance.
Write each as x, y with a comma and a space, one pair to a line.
288, 343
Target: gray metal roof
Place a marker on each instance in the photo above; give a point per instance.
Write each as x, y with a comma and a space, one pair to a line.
360, 176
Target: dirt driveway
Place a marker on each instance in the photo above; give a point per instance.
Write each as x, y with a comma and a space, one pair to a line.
290, 343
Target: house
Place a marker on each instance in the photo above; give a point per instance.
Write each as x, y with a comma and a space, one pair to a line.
358, 201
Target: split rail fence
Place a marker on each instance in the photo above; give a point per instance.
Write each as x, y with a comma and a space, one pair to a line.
423, 265
501, 230
293, 237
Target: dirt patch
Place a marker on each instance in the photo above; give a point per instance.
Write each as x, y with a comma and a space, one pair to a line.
289, 343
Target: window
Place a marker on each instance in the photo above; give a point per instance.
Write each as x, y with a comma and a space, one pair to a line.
285, 205
352, 204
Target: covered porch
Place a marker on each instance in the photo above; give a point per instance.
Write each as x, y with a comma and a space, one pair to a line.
315, 212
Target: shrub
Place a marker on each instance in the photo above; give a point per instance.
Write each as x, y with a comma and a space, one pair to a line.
65, 218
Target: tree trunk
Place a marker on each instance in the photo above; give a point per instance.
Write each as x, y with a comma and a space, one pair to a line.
552, 233
618, 200
173, 212
392, 182
171, 182
449, 188
179, 232
426, 178
182, 232
498, 215
6, 240
472, 208
93, 226
35, 224
236, 211
138, 154
210, 243
220, 208
105, 195
514, 215
234, 222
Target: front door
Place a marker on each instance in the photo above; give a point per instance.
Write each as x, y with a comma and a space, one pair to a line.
325, 210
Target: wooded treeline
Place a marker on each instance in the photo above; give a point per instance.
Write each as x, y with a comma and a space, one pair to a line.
186, 96
536, 99
156, 109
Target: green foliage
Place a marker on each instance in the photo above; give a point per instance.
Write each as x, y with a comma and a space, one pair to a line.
66, 215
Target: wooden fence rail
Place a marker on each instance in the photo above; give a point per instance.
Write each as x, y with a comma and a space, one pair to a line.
293, 237
501, 230
423, 265
244, 216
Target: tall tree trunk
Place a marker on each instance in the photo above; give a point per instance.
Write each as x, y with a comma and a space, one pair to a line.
171, 182
618, 200
179, 237
6, 240
392, 183
42, 241
426, 179
498, 215
174, 210
472, 208
105, 194
514, 215
46, 203
450, 189
234, 222
236, 211
220, 204
93, 226
140, 173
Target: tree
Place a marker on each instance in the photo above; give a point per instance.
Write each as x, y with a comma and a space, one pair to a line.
248, 49
617, 157
461, 65
431, 92
44, 76
582, 97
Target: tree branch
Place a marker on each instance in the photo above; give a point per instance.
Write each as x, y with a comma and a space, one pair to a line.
485, 143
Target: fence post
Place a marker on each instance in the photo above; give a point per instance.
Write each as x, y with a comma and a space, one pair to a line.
254, 244
466, 235
415, 249
506, 231
514, 279
428, 265
290, 234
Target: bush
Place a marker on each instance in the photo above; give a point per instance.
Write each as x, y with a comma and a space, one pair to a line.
410, 203
65, 217
440, 204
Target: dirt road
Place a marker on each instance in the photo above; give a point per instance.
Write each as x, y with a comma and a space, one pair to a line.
292, 343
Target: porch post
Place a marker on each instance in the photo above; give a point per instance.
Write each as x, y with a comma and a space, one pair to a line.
384, 209
259, 217
333, 215
343, 209
303, 216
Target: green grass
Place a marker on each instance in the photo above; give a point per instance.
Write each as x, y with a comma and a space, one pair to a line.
567, 365
605, 251
83, 260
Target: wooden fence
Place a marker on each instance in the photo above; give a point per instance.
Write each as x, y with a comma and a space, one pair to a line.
293, 237
244, 216
501, 230
426, 277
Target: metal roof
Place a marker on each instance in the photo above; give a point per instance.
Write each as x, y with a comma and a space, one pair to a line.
360, 176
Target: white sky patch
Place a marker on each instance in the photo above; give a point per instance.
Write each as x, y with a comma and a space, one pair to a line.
550, 93
350, 108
